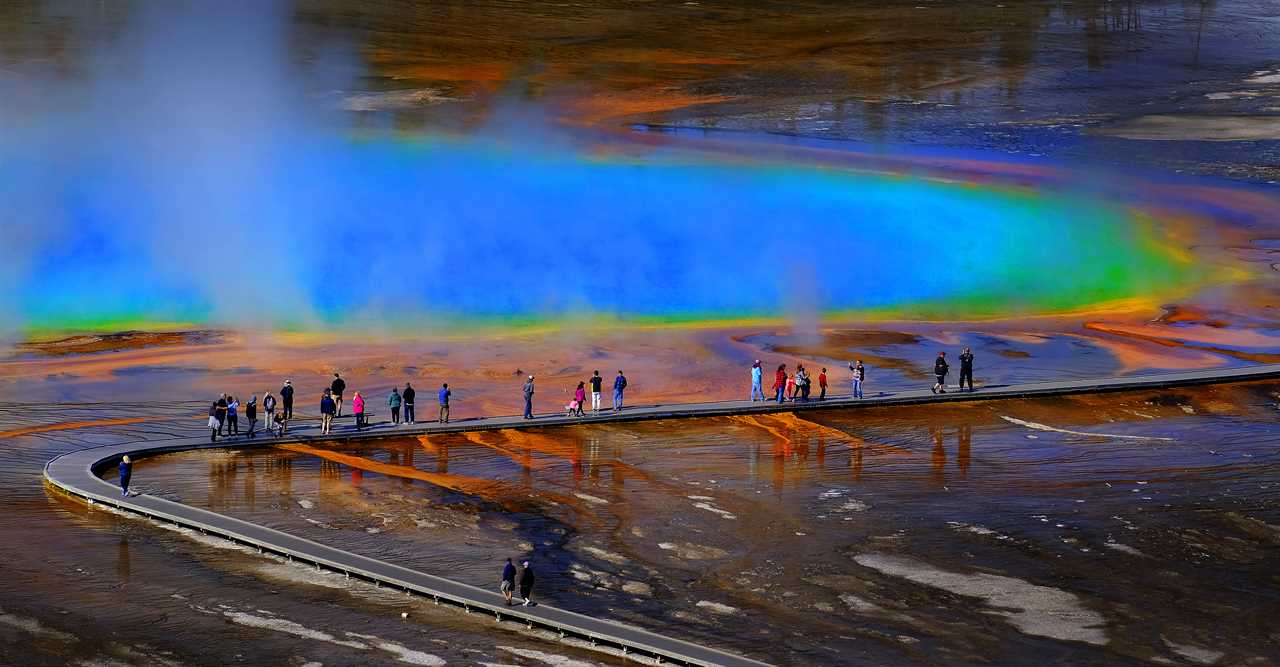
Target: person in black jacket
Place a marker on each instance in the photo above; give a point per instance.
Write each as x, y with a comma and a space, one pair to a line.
526, 583
336, 388
407, 395
286, 399
966, 368
940, 369
251, 414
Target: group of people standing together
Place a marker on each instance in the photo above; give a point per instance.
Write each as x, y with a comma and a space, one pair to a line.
577, 405
224, 413
796, 386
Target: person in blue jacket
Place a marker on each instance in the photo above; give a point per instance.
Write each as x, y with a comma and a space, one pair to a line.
619, 386
126, 471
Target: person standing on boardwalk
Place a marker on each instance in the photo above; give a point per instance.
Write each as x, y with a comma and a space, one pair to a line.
357, 406
966, 368
269, 410
822, 385
286, 399
596, 383
393, 402
251, 414
444, 403
859, 373
233, 416
580, 397
528, 398
326, 412
940, 369
281, 423
803, 383
791, 387
126, 472
526, 583
214, 424
508, 584
619, 386
337, 387
222, 412
780, 383
408, 396
757, 376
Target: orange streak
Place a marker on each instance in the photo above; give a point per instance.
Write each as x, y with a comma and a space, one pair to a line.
522, 458
484, 488
67, 426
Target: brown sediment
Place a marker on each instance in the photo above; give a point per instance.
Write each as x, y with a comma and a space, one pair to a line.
115, 342
524, 459
1212, 339
67, 426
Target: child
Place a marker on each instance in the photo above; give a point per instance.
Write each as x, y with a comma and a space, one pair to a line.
281, 422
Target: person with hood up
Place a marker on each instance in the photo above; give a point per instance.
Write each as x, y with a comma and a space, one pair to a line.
393, 402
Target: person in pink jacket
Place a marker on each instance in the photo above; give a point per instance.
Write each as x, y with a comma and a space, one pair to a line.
580, 396
357, 406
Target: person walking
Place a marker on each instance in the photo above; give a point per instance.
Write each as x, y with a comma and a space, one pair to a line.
326, 412
336, 388
802, 383
269, 410
444, 403
251, 414
940, 369
214, 425
596, 383
580, 397
528, 398
233, 416
222, 412
408, 396
286, 399
393, 402
966, 368
619, 388
822, 385
357, 407
859, 373
126, 472
757, 376
508, 584
526, 584
780, 383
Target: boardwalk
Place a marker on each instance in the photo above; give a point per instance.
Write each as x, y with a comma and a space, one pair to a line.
76, 473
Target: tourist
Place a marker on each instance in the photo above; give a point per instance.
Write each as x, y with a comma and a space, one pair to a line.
327, 410
444, 403
408, 396
251, 413
393, 402
269, 410
233, 416
619, 386
780, 383
336, 388
940, 369
222, 412
757, 376
802, 383
126, 471
215, 426
526, 583
286, 399
528, 398
281, 423
822, 385
580, 397
508, 581
791, 387
357, 406
859, 376
596, 382
966, 368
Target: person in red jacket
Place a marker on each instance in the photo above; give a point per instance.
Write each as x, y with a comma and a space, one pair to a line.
780, 383
822, 385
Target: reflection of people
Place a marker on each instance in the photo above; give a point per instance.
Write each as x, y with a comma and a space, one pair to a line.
126, 471
940, 369
444, 402
528, 398
526, 583
966, 368
508, 581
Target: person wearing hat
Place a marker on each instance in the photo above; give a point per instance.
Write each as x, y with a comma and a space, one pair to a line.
286, 399
526, 583
757, 376
528, 398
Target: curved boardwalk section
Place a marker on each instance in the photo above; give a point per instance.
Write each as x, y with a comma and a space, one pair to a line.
77, 473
